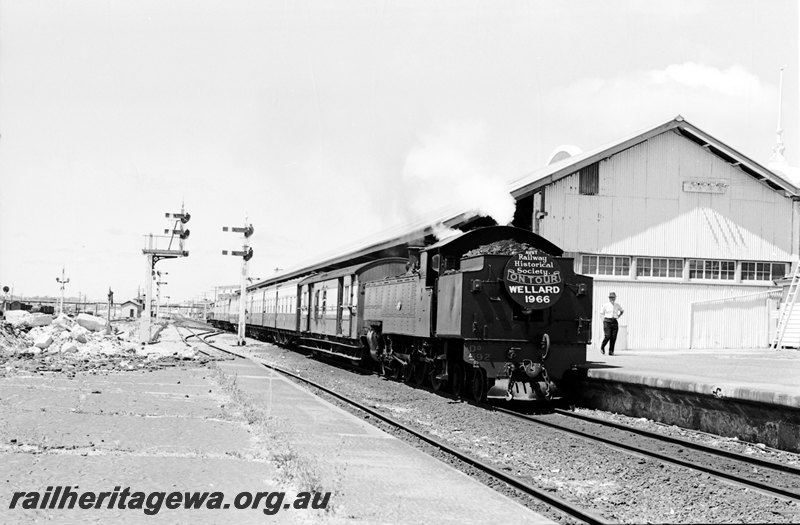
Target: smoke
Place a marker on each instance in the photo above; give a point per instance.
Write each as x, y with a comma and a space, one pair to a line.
443, 173
442, 232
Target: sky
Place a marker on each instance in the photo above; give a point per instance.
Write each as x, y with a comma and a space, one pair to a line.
324, 123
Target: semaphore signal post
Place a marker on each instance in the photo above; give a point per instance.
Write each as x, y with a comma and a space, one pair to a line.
62, 281
154, 251
246, 254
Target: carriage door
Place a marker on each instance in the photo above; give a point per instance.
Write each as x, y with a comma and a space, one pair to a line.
308, 294
275, 310
347, 304
339, 305
263, 321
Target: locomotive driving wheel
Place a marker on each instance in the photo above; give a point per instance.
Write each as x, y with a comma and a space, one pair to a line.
478, 384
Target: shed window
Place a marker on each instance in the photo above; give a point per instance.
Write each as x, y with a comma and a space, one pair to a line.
658, 267
712, 269
589, 180
763, 271
605, 265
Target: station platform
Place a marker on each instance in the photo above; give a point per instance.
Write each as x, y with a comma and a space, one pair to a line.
752, 394
375, 477
758, 375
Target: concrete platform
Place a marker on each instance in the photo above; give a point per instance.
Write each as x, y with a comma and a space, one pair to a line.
752, 394
378, 478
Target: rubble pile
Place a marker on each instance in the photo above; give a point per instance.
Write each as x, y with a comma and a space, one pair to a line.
42, 343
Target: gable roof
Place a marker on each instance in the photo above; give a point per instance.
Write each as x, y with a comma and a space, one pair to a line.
130, 301
528, 184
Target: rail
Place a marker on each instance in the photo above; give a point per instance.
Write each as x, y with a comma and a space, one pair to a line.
542, 495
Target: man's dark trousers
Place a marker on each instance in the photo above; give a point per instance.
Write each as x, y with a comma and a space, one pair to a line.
610, 329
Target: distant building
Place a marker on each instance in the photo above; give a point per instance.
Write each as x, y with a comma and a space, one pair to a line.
132, 308
17, 305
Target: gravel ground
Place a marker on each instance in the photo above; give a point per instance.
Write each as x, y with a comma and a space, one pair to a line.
616, 485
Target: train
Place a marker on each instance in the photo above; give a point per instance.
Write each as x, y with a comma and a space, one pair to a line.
494, 313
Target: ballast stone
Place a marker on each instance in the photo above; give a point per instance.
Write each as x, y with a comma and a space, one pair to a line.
90, 322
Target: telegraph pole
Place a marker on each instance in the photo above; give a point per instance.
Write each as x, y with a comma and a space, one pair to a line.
110, 306
246, 254
62, 281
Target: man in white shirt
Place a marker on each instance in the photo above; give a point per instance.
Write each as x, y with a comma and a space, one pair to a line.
611, 311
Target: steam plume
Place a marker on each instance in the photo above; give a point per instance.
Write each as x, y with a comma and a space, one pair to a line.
443, 171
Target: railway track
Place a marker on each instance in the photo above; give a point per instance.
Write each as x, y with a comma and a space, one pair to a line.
563, 506
774, 479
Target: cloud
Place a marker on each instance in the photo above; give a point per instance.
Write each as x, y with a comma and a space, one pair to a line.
735, 100
734, 82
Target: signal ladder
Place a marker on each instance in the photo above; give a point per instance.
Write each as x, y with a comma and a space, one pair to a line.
786, 312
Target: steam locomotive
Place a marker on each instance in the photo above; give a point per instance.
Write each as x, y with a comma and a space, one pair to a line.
495, 313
